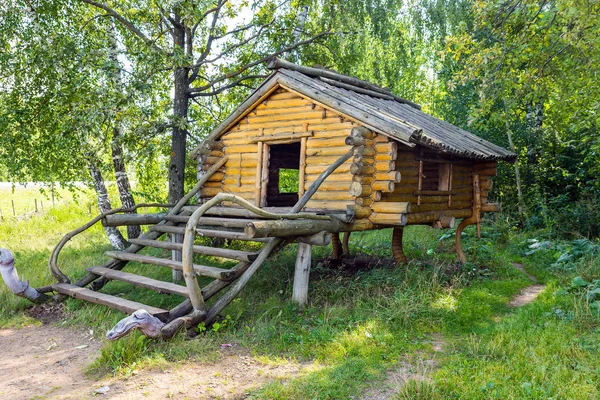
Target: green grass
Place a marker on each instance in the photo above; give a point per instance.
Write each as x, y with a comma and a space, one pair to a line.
358, 325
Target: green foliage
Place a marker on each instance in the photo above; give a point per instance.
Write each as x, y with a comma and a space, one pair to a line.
289, 180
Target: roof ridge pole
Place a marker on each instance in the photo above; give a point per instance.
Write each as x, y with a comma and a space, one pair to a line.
276, 63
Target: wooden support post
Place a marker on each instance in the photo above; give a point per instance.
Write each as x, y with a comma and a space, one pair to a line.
399, 257
301, 274
177, 276
336, 245
302, 167
345, 244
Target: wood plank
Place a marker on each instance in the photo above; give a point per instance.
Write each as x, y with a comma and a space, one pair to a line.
127, 306
207, 233
141, 281
203, 270
205, 250
280, 136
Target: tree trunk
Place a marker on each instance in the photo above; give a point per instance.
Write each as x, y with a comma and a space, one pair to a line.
114, 235
520, 200
178, 140
122, 179
180, 113
127, 201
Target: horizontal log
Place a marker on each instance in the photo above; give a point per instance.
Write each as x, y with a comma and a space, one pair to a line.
385, 165
394, 176
388, 219
392, 207
363, 132
317, 170
280, 136
342, 196
324, 160
490, 207
364, 201
384, 186
357, 212
329, 204
485, 165
381, 138
327, 151
445, 222
316, 142
456, 205
318, 239
300, 227
333, 185
360, 169
386, 156
365, 151
431, 217
363, 179
132, 219
298, 116
358, 141
209, 192
377, 196
388, 148
363, 159
487, 172
359, 190
434, 192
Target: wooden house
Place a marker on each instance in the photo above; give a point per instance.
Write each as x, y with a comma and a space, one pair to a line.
311, 153
408, 167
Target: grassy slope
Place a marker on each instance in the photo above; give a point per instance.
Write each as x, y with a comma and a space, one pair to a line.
357, 325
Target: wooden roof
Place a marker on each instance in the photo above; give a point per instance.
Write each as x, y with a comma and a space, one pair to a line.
372, 106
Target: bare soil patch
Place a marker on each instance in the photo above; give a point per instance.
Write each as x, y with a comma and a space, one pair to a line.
419, 369
48, 362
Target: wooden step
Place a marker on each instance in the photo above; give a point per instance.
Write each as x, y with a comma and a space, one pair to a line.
205, 250
208, 233
203, 270
127, 306
141, 281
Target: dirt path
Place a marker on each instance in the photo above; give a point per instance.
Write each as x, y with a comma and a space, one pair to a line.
48, 362
528, 294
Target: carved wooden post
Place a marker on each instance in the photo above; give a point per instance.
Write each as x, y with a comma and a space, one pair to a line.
301, 274
399, 257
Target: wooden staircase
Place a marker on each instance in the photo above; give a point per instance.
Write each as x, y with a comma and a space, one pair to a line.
240, 220
223, 227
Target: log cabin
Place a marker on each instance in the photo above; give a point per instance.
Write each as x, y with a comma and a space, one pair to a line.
407, 167
308, 155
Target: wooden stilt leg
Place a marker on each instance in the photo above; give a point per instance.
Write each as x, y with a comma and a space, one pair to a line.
301, 274
463, 224
345, 244
177, 276
399, 257
336, 245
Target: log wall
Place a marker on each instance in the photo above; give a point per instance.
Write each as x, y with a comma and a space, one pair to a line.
380, 183
284, 117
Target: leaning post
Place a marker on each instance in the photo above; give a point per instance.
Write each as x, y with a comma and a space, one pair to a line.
301, 274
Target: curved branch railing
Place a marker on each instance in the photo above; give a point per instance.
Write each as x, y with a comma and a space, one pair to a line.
189, 275
175, 209
53, 262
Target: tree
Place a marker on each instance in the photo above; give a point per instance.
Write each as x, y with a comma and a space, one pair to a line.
209, 52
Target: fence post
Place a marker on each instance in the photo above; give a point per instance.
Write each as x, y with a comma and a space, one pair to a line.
36, 209
13, 207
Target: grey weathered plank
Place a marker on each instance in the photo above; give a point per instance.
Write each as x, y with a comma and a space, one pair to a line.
203, 270
141, 281
205, 250
207, 233
127, 306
